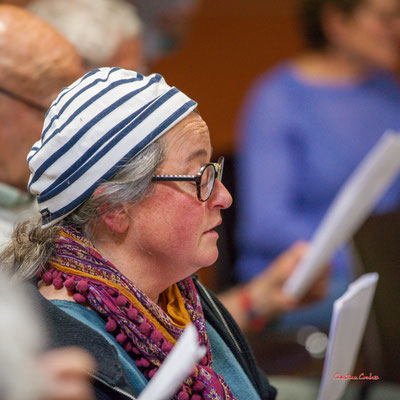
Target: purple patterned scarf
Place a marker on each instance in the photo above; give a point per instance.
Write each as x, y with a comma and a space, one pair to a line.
139, 325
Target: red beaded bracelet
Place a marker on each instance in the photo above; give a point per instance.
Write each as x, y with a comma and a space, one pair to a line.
256, 321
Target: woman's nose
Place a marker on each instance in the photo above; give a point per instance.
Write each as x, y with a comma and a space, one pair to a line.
220, 196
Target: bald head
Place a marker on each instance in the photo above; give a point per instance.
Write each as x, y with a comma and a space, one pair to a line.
36, 62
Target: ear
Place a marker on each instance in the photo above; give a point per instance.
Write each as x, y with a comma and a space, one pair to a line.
117, 219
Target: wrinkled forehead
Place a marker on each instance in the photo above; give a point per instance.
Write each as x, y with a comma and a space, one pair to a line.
189, 140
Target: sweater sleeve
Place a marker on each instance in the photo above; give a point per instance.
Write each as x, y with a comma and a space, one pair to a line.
270, 159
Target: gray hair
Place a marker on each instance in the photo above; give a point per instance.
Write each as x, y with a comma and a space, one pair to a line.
31, 246
95, 27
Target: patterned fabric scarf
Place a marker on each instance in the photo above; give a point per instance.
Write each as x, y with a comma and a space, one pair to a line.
139, 325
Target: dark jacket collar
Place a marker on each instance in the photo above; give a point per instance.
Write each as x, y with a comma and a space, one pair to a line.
64, 330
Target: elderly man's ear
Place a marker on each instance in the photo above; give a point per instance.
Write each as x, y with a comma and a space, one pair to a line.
117, 219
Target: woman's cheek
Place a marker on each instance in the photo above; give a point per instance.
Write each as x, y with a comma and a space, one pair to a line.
179, 221
186, 227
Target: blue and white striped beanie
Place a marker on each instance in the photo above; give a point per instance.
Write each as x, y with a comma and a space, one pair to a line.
92, 129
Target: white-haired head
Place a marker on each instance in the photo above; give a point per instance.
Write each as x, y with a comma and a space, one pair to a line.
97, 28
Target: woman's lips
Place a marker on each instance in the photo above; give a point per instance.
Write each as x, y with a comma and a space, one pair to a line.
212, 231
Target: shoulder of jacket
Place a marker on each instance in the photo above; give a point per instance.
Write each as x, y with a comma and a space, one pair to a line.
64, 330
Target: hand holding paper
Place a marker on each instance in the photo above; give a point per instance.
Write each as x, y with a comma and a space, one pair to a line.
352, 205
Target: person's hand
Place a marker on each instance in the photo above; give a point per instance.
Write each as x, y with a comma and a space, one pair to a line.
266, 289
66, 374
262, 299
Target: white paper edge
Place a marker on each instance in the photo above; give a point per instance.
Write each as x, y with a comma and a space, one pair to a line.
176, 367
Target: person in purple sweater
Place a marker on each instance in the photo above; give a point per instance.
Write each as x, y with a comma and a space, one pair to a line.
307, 124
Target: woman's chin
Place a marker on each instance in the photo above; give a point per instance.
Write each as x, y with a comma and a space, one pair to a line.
211, 258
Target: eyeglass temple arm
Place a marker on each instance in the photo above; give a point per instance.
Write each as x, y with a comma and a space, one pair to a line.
173, 178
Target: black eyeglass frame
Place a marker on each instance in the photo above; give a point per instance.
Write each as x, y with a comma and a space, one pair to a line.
218, 171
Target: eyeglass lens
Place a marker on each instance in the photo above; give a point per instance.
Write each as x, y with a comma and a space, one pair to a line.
207, 182
221, 168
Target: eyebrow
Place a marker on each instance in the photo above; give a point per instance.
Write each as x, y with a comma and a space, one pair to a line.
198, 154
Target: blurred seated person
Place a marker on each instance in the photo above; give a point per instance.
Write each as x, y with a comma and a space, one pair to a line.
29, 371
129, 201
105, 32
307, 124
35, 63
165, 25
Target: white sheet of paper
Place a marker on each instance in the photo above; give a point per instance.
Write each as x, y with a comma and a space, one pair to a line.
350, 208
176, 367
350, 314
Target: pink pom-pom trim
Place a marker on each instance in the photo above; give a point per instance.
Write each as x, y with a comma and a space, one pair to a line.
145, 363
135, 351
121, 338
82, 287
144, 328
111, 325
132, 314
47, 278
79, 298
198, 386
152, 372
128, 346
121, 301
58, 283
156, 336
111, 292
183, 396
166, 347
70, 284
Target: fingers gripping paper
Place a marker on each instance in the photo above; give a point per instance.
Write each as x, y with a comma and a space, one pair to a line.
349, 210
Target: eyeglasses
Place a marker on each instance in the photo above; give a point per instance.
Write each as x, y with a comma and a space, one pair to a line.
23, 100
205, 178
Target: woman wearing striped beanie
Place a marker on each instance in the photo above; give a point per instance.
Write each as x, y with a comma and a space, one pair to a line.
129, 201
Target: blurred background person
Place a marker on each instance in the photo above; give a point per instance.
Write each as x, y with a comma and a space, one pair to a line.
307, 124
35, 63
105, 32
166, 24
29, 372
